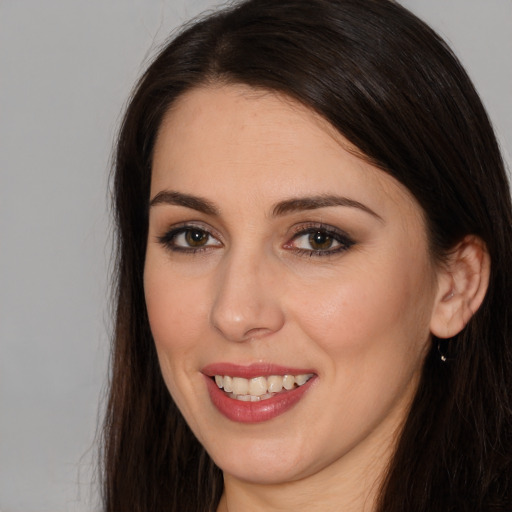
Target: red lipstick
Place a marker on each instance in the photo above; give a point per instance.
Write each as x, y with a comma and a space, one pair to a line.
254, 412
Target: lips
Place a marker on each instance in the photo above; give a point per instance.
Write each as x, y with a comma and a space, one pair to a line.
256, 393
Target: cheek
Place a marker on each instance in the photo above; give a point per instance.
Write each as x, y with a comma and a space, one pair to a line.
376, 312
371, 333
175, 314
173, 303
176, 311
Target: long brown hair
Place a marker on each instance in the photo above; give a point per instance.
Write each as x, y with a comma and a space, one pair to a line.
393, 88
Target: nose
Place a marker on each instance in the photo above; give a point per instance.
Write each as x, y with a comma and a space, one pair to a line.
246, 300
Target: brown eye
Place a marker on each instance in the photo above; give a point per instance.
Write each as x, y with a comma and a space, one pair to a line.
320, 240
189, 239
196, 237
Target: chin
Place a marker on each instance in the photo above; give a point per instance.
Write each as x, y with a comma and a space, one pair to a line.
271, 472
267, 462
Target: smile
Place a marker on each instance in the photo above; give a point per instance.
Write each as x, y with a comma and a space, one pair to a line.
257, 392
259, 388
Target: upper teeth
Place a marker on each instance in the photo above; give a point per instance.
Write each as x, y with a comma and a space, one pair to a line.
260, 386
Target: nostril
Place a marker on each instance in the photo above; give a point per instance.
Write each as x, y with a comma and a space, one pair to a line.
257, 333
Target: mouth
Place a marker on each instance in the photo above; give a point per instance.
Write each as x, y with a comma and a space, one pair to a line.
258, 392
259, 388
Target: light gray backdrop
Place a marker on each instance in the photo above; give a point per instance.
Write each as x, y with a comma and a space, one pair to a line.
66, 69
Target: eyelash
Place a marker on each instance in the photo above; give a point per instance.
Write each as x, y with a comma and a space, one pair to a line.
168, 240
343, 239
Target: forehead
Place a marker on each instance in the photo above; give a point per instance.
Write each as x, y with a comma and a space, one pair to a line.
260, 143
244, 117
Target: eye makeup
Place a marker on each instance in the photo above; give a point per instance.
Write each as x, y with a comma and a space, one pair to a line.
189, 238
319, 240
310, 239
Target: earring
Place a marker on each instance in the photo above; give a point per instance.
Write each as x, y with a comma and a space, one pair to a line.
442, 349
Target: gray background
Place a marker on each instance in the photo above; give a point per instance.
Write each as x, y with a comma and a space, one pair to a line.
66, 69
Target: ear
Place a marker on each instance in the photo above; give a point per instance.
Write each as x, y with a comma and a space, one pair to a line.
462, 284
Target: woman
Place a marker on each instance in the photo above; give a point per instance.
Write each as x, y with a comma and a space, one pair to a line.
314, 278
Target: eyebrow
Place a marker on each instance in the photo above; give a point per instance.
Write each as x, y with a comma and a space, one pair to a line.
188, 201
282, 208
315, 202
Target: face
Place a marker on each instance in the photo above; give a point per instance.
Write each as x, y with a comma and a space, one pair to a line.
288, 284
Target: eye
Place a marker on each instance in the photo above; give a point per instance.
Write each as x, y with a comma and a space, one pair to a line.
189, 239
317, 240
320, 241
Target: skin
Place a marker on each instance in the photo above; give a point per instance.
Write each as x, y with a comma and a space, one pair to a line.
255, 292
